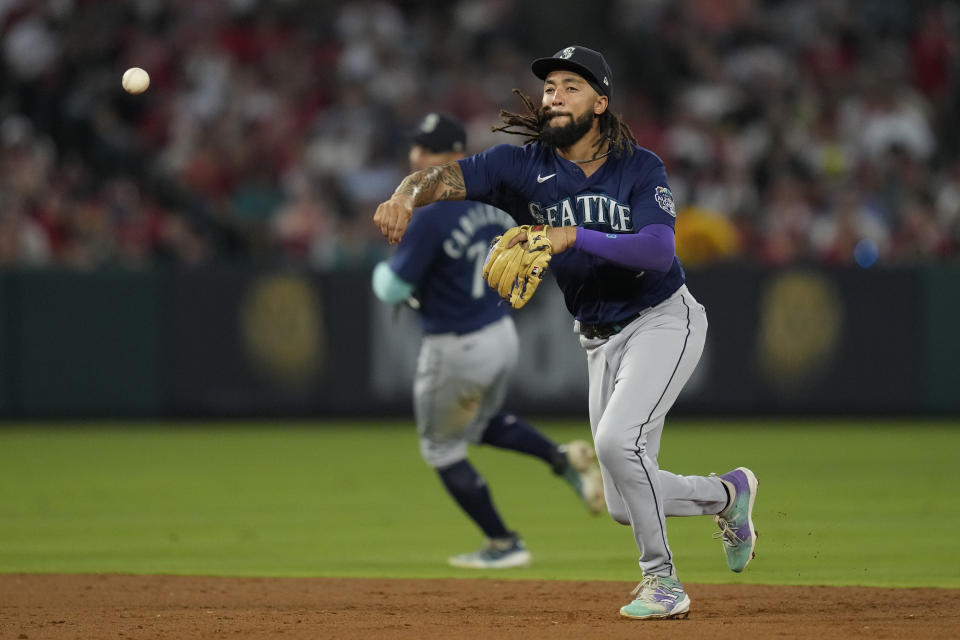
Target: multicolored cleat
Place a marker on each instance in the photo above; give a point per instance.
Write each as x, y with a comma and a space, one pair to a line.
657, 598
497, 553
736, 521
583, 474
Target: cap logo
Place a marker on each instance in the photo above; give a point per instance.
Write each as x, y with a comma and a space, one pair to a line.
605, 81
566, 53
430, 123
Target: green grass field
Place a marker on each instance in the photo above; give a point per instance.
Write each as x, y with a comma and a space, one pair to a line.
840, 503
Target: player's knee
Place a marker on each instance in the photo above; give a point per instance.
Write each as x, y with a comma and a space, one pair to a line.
612, 447
618, 513
497, 425
442, 454
502, 420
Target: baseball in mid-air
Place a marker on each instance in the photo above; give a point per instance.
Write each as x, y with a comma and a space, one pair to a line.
135, 80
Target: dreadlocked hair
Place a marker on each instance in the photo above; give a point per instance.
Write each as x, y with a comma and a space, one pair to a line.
612, 127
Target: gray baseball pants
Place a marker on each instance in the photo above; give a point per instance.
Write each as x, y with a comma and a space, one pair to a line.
635, 377
461, 383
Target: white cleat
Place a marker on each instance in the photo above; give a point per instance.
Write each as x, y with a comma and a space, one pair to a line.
499, 553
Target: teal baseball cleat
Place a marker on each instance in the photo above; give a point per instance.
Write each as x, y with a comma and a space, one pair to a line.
736, 520
657, 598
497, 553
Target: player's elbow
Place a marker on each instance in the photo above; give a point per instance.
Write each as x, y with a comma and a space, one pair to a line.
660, 246
663, 261
388, 286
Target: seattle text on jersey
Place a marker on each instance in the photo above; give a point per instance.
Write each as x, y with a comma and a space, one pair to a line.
592, 210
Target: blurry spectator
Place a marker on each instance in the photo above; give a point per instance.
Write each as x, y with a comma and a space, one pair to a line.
30, 48
786, 222
180, 243
947, 203
705, 236
836, 232
822, 147
304, 225
933, 51
889, 117
135, 222
22, 241
919, 238
344, 135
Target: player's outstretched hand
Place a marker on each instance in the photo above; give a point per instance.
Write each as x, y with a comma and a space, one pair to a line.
393, 216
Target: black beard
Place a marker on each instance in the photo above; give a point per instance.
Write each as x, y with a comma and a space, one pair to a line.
566, 135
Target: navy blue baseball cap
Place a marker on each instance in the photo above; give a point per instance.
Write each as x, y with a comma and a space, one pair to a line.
440, 133
588, 63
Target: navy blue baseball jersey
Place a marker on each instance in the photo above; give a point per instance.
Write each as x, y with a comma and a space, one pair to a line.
625, 194
442, 255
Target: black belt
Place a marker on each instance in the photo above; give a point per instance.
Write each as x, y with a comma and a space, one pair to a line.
594, 331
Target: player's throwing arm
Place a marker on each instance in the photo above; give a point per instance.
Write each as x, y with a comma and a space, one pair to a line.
418, 189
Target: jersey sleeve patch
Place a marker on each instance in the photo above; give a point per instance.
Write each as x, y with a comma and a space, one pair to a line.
665, 199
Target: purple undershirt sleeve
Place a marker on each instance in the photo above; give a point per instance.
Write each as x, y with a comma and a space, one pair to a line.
650, 249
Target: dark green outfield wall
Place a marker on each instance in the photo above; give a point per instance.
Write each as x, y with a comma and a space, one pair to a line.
80, 343
240, 342
941, 338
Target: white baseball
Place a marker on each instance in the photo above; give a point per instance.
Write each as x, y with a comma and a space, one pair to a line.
135, 80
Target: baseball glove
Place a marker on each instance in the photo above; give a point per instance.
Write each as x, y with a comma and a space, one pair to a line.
516, 272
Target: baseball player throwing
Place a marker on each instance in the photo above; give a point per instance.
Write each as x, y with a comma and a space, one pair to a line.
602, 217
469, 350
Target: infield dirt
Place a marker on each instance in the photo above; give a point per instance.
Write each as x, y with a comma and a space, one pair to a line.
34, 607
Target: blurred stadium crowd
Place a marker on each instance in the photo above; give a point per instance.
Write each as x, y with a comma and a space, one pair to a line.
792, 130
